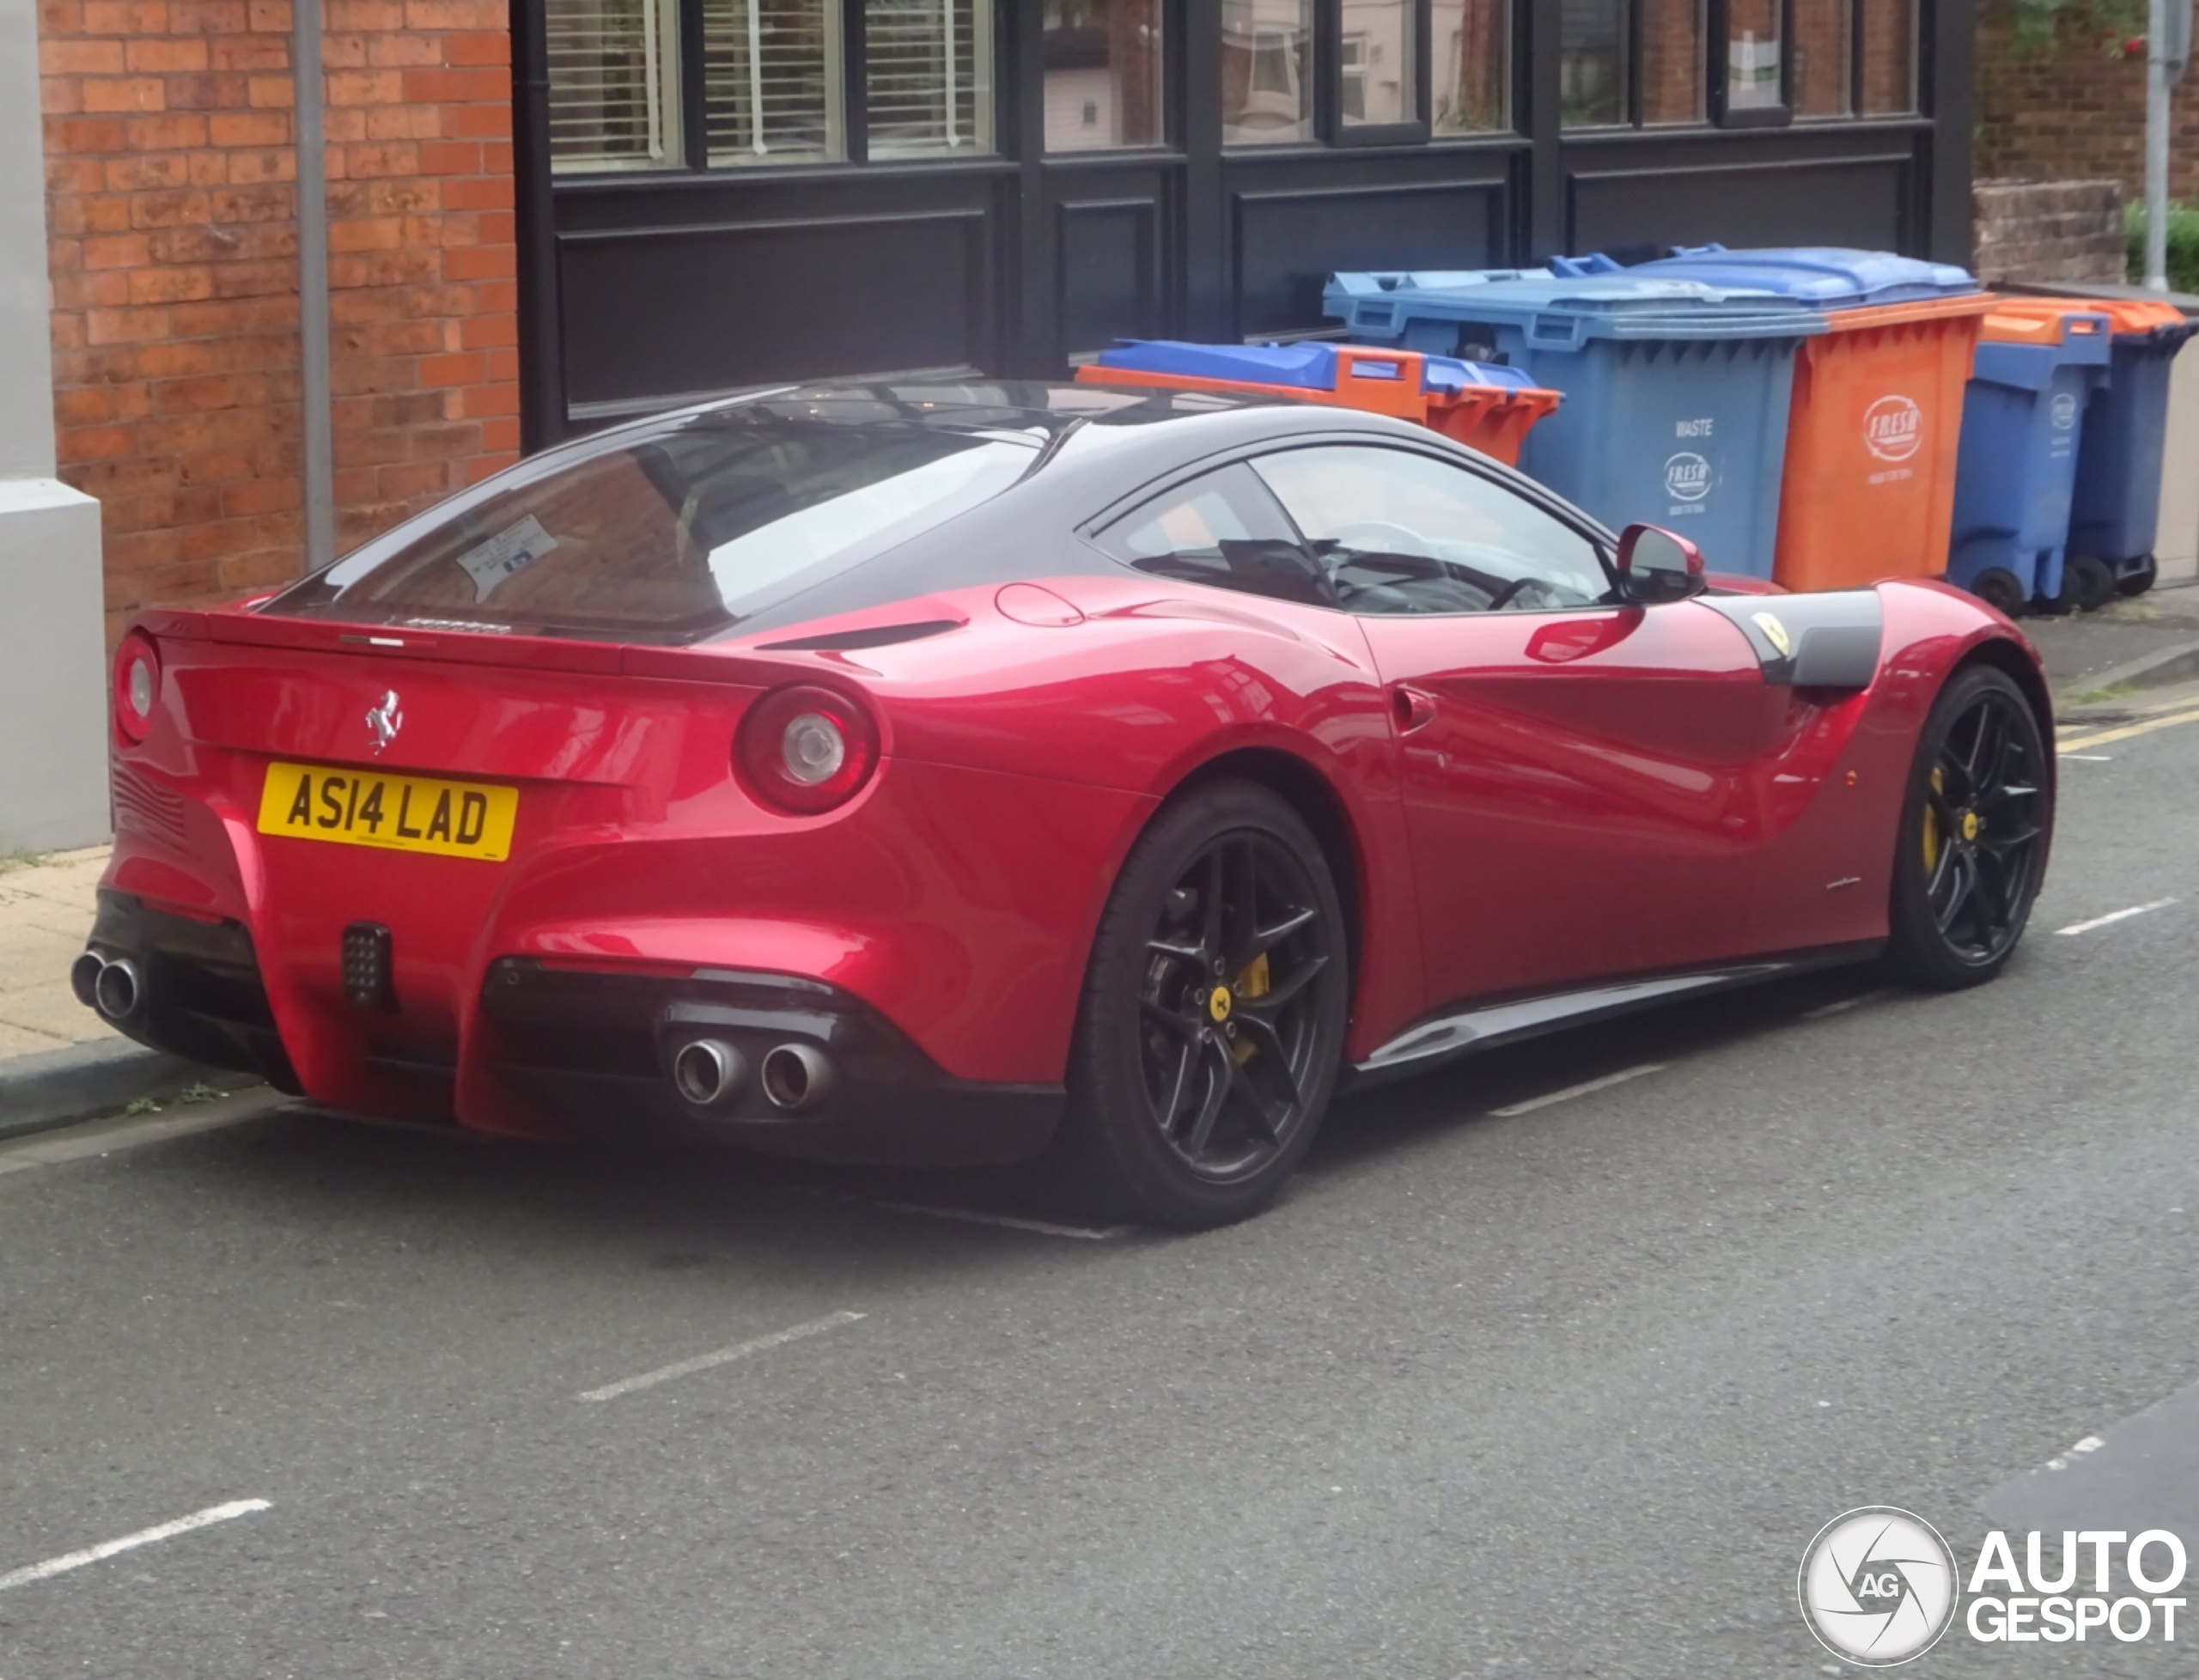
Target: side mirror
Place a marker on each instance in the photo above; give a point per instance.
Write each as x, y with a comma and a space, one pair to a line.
1654, 565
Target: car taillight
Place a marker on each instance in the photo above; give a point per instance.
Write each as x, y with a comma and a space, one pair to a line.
806, 749
137, 684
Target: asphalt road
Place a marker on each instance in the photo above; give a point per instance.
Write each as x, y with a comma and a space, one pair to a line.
1561, 1393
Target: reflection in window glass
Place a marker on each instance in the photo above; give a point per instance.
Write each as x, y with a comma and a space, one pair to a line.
1472, 79
1267, 71
613, 81
1889, 58
1592, 62
1672, 34
771, 80
1103, 74
1225, 530
1824, 38
1752, 55
928, 77
1378, 66
1397, 532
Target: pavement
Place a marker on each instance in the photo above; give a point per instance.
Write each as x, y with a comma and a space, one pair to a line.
1550, 1364
59, 1062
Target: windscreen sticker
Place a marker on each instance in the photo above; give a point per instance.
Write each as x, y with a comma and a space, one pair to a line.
511, 549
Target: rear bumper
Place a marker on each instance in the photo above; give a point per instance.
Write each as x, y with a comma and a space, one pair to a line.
591, 1049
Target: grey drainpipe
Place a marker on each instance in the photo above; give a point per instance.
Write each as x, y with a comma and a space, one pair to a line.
308, 95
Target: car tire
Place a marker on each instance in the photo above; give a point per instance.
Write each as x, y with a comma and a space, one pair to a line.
1975, 824
1211, 1027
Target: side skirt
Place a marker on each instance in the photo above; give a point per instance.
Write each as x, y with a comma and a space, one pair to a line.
1485, 1026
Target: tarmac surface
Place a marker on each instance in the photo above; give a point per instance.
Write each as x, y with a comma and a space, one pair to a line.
1538, 1369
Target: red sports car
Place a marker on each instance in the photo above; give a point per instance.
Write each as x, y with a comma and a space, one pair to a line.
952, 773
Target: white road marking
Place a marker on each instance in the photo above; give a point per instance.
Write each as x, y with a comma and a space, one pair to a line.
688, 1367
2091, 757
1582, 1090
67, 1560
2115, 916
1842, 1006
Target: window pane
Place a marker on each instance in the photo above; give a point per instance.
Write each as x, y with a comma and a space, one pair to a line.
1103, 74
1380, 69
1751, 54
928, 77
1673, 32
1267, 71
1472, 79
612, 103
1592, 62
1824, 45
1890, 57
1226, 530
771, 76
1397, 532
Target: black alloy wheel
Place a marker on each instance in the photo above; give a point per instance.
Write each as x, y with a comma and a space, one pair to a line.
1972, 849
1213, 1022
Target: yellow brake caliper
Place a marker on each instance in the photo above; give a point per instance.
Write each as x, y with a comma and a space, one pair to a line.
1931, 823
1252, 981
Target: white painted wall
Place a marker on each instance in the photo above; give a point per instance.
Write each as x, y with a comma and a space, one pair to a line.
53, 716
2176, 542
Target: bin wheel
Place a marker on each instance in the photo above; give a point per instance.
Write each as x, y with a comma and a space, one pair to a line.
1998, 588
2137, 582
2088, 583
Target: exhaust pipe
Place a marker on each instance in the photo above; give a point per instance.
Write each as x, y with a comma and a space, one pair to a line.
84, 978
707, 1073
117, 990
798, 1079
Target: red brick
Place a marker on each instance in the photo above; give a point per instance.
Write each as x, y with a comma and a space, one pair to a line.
488, 331
166, 134
449, 158
80, 58
261, 496
117, 251
481, 122
495, 263
269, 93
247, 52
125, 18
170, 285
207, 17
478, 192
215, 90
487, 46
396, 51
167, 55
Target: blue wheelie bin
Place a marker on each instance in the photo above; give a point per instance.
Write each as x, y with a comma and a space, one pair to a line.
1677, 392
2016, 469
2115, 504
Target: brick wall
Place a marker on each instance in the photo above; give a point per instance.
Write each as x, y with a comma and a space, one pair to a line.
2077, 115
172, 216
2066, 232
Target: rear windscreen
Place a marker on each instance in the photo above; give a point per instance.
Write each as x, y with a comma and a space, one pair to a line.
670, 535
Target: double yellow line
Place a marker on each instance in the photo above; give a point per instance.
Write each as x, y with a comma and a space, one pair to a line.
2123, 733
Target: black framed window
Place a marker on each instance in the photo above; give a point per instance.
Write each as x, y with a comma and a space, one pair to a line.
1741, 63
1363, 72
658, 84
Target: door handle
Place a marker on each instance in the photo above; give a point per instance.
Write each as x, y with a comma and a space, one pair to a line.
1411, 709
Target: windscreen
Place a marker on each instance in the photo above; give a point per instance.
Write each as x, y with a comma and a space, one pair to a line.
671, 535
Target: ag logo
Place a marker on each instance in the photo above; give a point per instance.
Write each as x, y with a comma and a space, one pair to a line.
2064, 410
1687, 477
1893, 429
1878, 1586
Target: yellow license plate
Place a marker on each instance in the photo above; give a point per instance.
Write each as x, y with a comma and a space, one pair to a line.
403, 813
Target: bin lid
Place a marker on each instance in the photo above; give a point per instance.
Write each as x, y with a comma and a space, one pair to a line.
2127, 319
2082, 330
1825, 276
1554, 310
1422, 280
1310, 366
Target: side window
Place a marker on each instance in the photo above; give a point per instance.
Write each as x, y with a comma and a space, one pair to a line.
1225, 529
1399, 531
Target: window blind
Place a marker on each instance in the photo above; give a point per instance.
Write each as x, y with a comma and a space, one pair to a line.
927, 76
771, 81
612, 77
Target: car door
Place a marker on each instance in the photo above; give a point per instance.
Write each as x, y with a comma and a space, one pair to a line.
1577, 774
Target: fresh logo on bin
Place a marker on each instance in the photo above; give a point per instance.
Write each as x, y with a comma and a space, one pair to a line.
2064, 409
1687, 477
1893, 428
